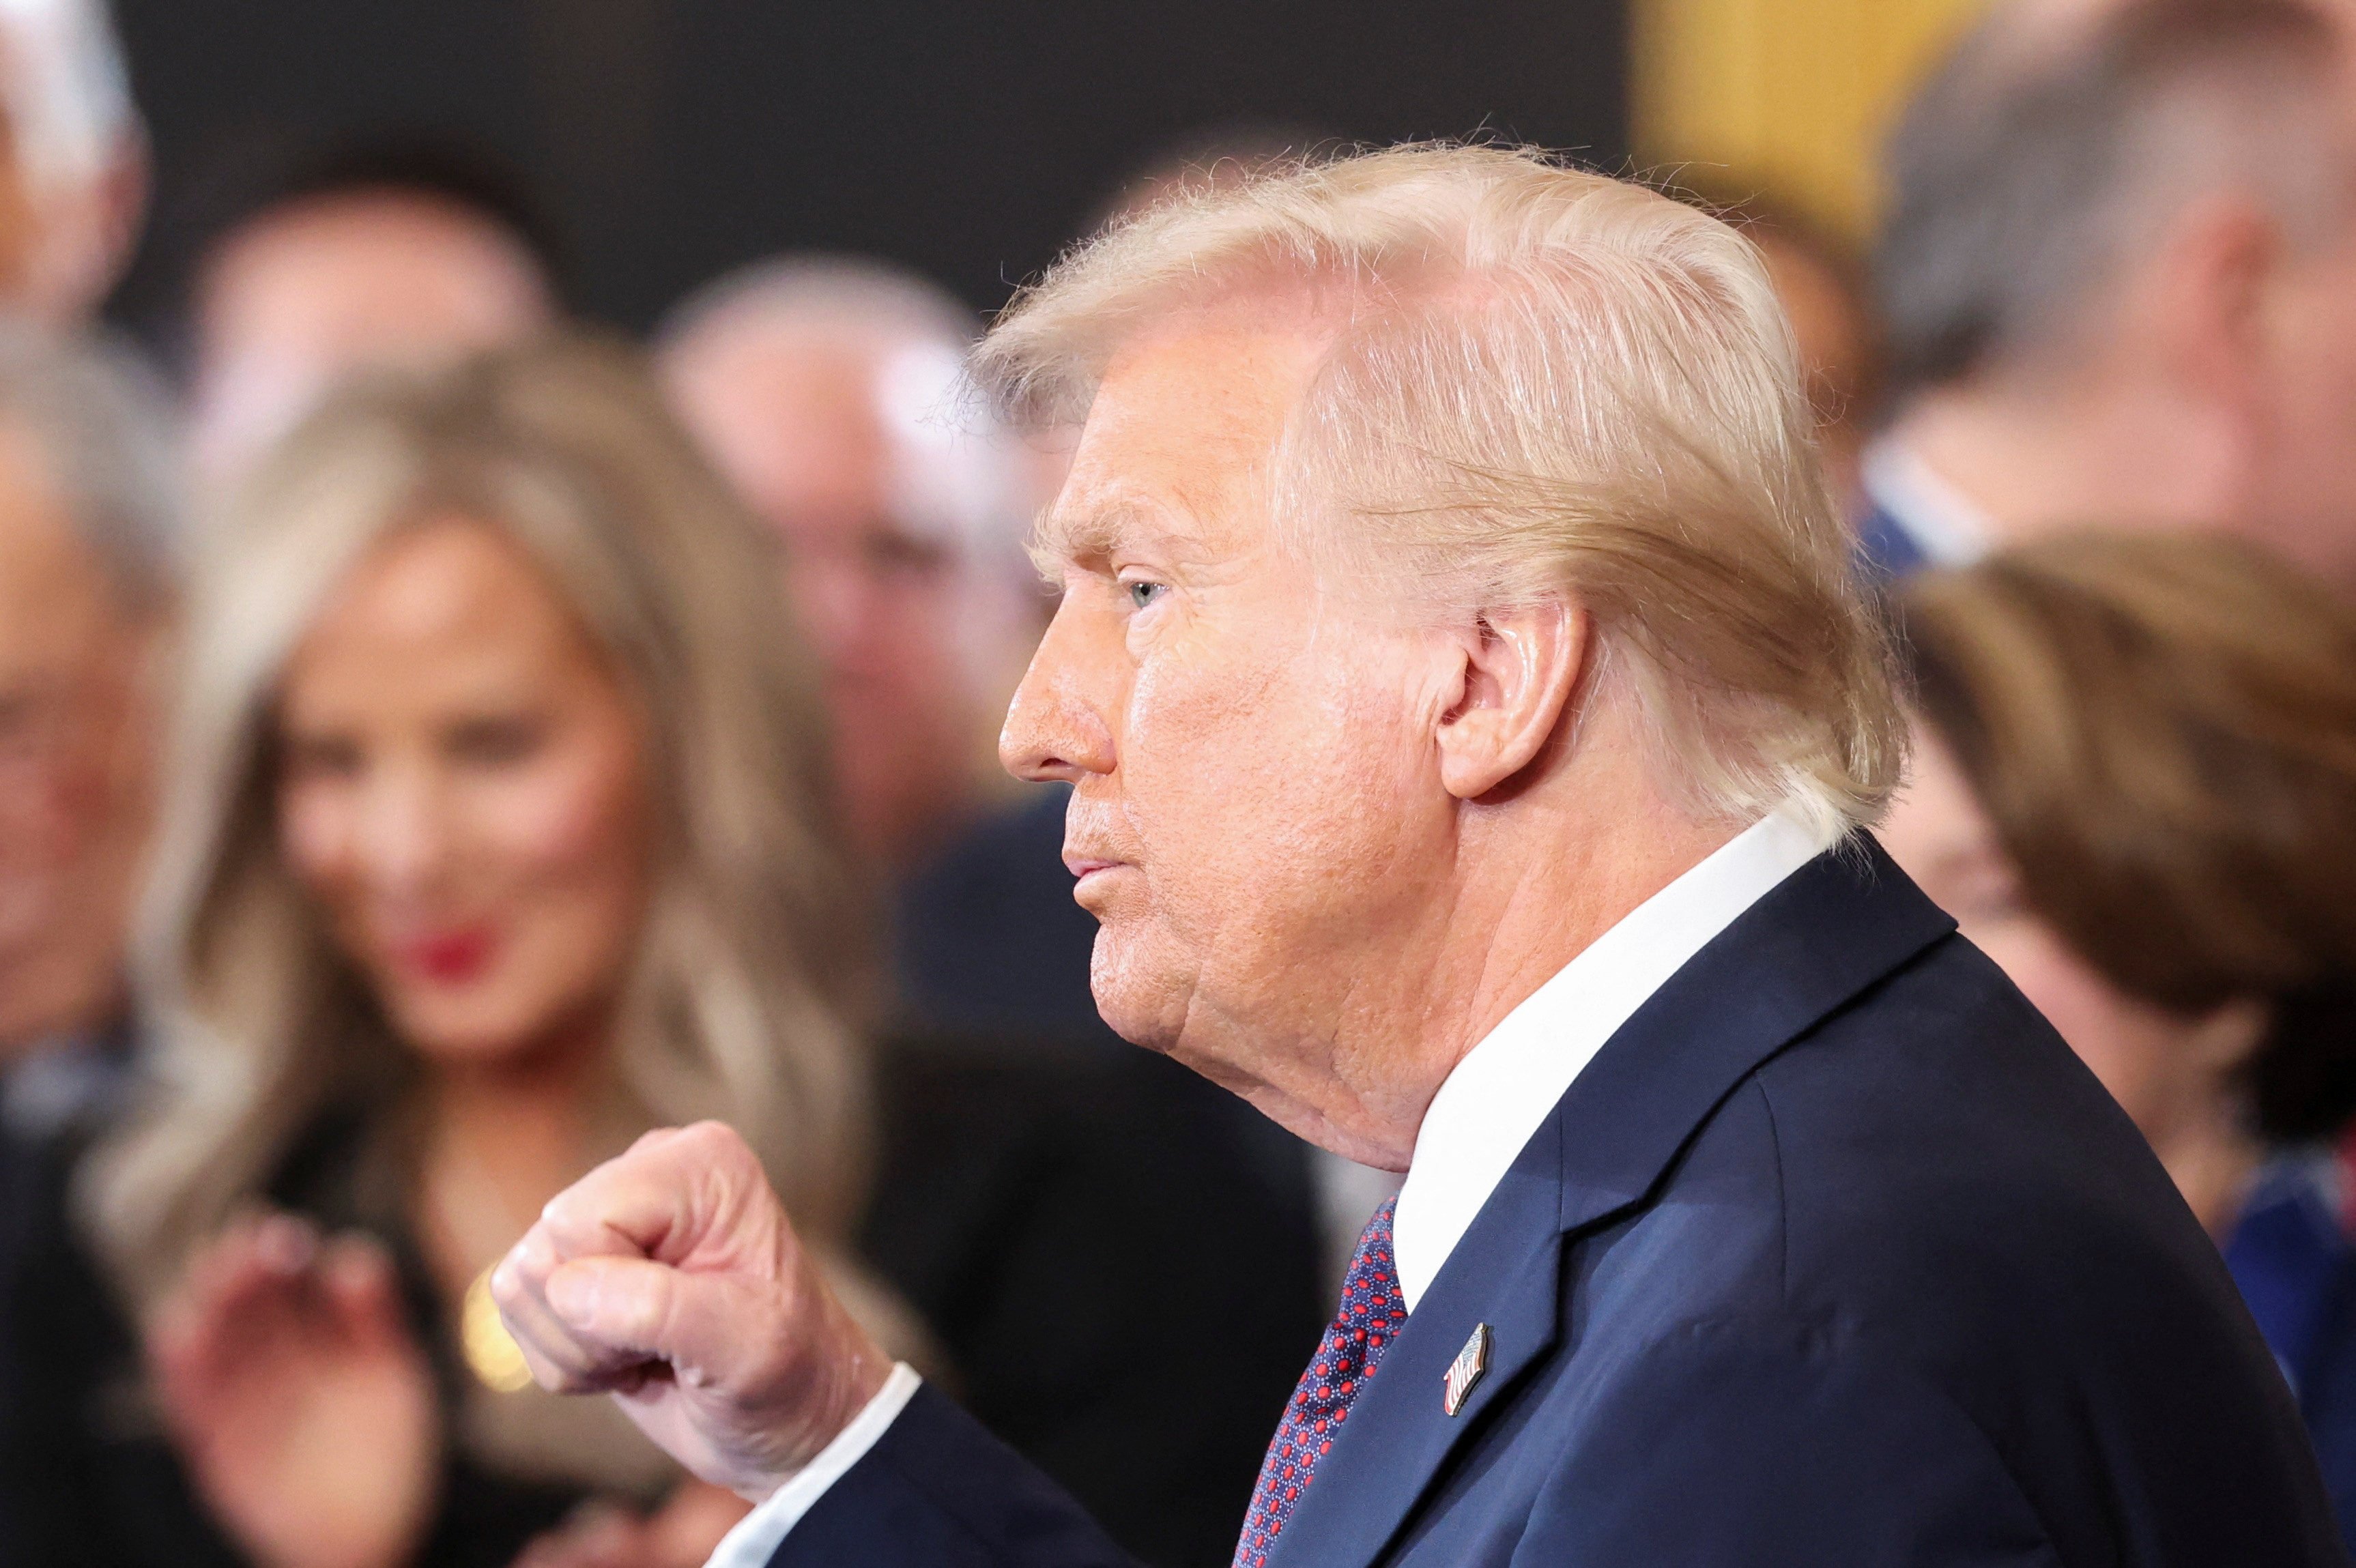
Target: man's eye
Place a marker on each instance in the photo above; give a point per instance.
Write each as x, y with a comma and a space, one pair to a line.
496, 743
323, 757
899, 552
1140, 594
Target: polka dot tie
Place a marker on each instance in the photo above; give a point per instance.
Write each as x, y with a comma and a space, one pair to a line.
1373, 1311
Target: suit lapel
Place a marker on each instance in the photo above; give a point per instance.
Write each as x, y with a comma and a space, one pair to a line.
1831, 930
1399, 1437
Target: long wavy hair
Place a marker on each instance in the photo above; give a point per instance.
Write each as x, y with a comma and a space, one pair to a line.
752, 962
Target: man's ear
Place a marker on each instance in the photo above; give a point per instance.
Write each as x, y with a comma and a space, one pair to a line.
2209, 291
1519, 670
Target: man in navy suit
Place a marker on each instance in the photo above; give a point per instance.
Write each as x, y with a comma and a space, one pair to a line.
1472, 723
2114, 271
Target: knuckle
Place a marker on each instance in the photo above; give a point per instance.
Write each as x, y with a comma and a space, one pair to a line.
531, 1258
508, 1292
721, 1139
706, 1141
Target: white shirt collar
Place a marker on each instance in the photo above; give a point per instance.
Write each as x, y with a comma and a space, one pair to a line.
1947, 525
1509, 1083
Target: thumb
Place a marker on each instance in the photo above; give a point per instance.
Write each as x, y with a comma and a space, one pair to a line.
642, 1308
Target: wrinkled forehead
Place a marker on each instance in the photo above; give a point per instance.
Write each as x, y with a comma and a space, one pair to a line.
1182, 434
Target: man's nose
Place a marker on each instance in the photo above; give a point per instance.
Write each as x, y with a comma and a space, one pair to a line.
836, 606
1055, 728
404, 832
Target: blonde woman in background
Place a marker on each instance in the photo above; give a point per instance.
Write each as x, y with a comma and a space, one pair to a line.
495, 836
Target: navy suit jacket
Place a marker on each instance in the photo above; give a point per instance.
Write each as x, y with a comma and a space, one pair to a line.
1834, 1256
1884, 547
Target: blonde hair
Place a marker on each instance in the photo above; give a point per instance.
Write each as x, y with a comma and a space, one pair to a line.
751, 957
1548, 382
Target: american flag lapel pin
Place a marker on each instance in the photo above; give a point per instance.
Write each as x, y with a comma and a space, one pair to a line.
1465, 1370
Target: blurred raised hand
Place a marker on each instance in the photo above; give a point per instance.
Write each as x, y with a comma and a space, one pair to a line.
672, 1278
303, 1406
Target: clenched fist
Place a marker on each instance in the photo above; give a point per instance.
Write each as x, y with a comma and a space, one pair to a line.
671, 1278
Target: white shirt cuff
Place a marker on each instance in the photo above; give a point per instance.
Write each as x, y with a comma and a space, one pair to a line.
758, 1534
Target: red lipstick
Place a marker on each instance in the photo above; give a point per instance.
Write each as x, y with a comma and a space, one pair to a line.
450, 957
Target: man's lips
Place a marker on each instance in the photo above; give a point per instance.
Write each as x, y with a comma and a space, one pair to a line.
1083, 866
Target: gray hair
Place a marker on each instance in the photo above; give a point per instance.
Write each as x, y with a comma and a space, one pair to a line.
869, 303
848, 293
2041, 158
97, 423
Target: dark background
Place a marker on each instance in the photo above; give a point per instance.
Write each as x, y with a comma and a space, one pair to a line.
672, 139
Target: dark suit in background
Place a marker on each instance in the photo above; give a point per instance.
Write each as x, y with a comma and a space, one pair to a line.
1834, 1256
986, 940
1057, 1216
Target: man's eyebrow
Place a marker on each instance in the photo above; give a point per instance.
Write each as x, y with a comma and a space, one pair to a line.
1096, 532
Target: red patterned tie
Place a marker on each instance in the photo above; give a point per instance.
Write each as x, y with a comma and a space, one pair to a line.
1373, 1311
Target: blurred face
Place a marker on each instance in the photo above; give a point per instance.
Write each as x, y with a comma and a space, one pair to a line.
462, 792
2303, 330
74, 760
2160, 1067
303, 298
1257, 821
2306, 474
804, 430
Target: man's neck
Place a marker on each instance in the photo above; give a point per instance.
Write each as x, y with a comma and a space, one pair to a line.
1540, 878
2038, 458
1567, 896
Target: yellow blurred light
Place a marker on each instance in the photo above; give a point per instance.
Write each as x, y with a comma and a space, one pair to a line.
1791, 96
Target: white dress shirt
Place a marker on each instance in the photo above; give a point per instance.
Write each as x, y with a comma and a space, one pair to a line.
1510, 1083
1948, 526
1486, 1111
758, 1534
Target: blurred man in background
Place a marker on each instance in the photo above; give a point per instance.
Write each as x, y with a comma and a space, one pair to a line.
73, 160
87, 574
2119, 276
827, 392
86, 568
1821, 282
376, 254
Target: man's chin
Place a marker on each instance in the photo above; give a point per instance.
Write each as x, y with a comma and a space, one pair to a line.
1137, 1004
1139, 1026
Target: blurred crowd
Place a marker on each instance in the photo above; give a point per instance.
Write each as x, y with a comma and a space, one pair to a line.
441, 741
